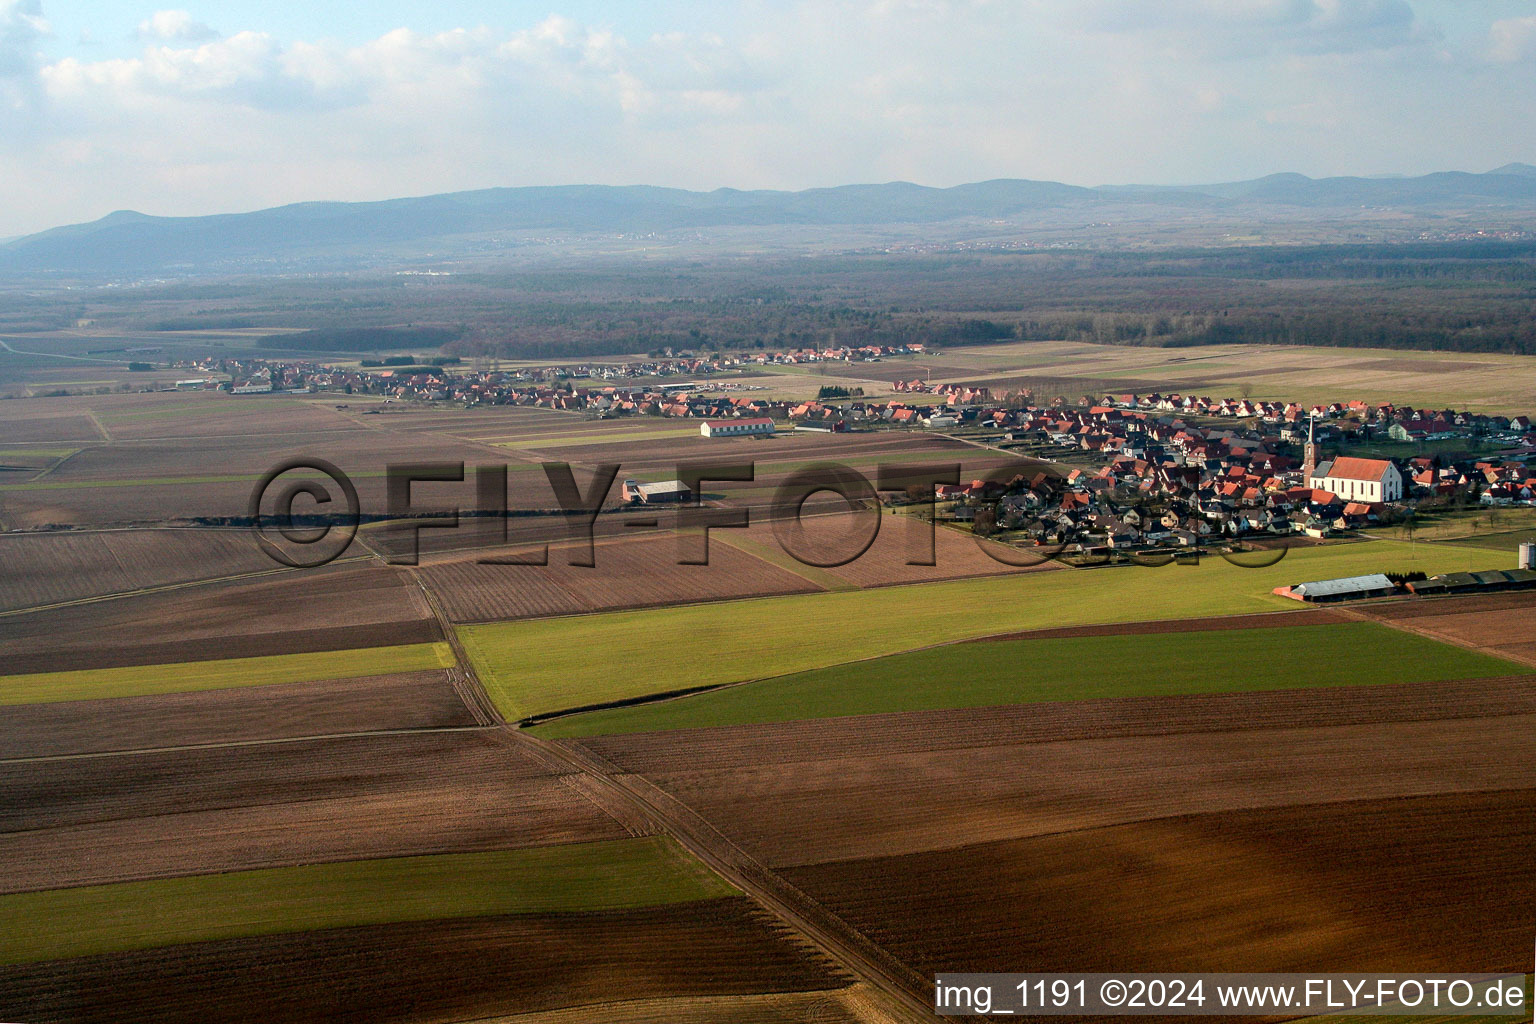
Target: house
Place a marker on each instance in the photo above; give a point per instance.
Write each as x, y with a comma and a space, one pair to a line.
759, 426
1368, 480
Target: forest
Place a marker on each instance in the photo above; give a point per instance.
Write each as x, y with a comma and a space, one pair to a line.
1460, 296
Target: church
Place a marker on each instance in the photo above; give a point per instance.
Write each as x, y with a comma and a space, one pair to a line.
1368, 480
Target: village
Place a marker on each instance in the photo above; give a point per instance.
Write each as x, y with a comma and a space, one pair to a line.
1119, 472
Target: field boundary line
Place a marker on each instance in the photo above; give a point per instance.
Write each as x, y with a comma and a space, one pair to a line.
227, 744
57, 463
461, 675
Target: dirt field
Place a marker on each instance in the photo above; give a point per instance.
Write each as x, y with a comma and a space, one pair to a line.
45, 568
47, 420
1302, 888
335, 608
87, 820
1482, 382
636, 573
211, 468
853, 806
409, 700
842, 1006
899, 539
207, 414
1501, 624
960, 730
434, 971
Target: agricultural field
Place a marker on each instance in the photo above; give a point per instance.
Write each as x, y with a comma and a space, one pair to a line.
1483, 382
147, 680
1503, 625
342, 854
1305, 888
233, 790
343, 606
1027, 671
422, 699
964, 838
619, 874
628, 573
539, 666
54, 568
707, 962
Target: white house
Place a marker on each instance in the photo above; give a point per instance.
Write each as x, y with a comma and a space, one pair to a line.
1367, 480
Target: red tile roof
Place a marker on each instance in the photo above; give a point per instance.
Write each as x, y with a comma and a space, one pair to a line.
1349, 468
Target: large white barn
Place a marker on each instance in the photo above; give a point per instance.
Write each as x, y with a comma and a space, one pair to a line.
760, 426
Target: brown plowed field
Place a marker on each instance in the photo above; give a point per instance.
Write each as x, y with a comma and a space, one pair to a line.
1433, 606
180, 477
341, 606
86, 820
840, 808
409, 700
879, 736
1501, 624
900, 538
44, 568
842, 1006
1380, 885
628, 574
37, 425
435, 971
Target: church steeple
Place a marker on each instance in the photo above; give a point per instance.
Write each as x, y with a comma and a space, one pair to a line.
1309, 461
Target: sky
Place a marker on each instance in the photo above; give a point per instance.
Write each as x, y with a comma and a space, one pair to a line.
236, 105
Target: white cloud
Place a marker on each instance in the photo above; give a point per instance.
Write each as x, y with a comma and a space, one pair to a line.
821, 92
1242, 28
1512, 40
175, 27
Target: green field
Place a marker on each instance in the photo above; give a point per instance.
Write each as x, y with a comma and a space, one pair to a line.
986, 673
87, 920
540, 665
1494, 529
188, 676
41, 453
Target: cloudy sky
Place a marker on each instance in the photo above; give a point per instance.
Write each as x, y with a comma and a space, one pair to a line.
239, 104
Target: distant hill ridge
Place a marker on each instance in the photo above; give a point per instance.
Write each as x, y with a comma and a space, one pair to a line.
127, 241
